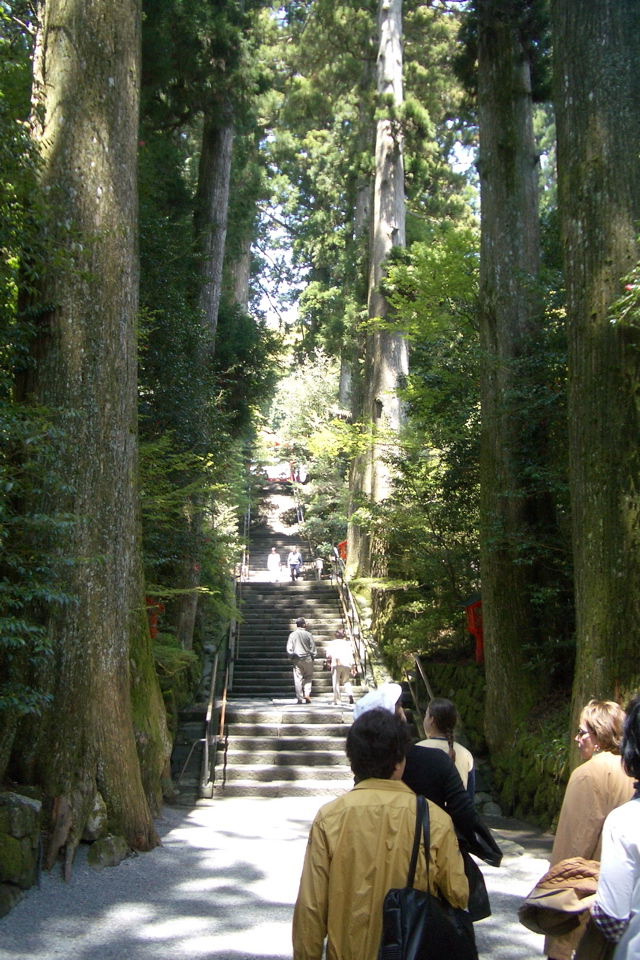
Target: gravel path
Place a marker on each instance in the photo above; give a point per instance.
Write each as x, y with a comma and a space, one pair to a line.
221, 887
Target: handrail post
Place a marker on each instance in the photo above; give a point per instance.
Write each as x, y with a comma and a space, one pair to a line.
205, 773
351, 616
424, 677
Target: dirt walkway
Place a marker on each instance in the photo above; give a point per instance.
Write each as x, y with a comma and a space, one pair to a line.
222, 887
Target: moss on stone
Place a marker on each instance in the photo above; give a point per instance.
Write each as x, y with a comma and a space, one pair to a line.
12, 865
179, 674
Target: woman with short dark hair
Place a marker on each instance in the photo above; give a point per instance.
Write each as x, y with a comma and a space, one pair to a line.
360, 847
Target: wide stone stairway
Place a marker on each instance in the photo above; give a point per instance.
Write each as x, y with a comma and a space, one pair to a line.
271, 745
275, 746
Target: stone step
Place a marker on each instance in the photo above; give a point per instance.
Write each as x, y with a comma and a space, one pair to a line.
281, 758
276, 673
289, 598
257, 691
275, 716
269, 773
287, 620
286, 737
275, 643
257, 669
250, 666
287, 613
264, 736
323, 588
276, 663
288, 746
288, 601
319, 692
321, 627
282, 788
272, 681
270, 655
272, 652
279, 716
274, 646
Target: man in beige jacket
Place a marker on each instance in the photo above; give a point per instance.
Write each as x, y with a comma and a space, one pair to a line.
360, 846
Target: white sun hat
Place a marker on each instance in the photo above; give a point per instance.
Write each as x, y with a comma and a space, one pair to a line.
385, 696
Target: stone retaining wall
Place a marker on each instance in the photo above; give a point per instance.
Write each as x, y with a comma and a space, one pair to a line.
529, 781
19, 847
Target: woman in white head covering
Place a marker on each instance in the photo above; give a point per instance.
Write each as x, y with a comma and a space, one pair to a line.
387, 696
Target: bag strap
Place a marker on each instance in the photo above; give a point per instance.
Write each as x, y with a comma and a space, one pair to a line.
422, 825
416, 843
426, 832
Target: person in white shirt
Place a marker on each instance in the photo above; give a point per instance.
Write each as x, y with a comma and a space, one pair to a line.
616, 910
340, 652
273, 565
439, 725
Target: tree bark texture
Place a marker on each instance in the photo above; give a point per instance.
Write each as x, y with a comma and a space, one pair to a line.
508, 313
386, 359
387, 354
210, 221
212, 205
87, 81
359, 474
597, 95
240, 271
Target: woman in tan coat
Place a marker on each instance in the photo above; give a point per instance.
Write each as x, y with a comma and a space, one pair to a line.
595, 788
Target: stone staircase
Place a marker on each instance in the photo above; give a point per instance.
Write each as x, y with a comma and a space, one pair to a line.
275, 751
273, 746
269, 611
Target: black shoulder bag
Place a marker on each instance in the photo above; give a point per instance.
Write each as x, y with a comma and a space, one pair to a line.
416, 925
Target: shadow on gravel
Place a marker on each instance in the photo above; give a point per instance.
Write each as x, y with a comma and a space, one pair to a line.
502, 935
200, 896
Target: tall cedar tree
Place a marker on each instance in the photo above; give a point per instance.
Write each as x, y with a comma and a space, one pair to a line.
198, 67
96, 736
509, 312
597, 98
386, 352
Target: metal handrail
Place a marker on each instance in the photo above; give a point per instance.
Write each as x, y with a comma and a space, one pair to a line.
356, 631
216, 714
418, 664
205, 739
246, 554
414, 695
216, 711
204, 770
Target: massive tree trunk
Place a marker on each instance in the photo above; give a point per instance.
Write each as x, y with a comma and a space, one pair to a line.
386, 352
508, 314
84, 363
240, 271
210, 222
359, 479
212, 205
597, 94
